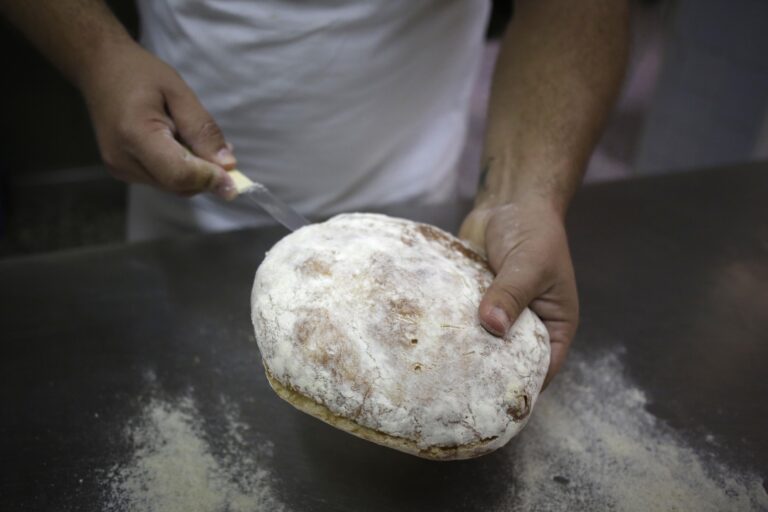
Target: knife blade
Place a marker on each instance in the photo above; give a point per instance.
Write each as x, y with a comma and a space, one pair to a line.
270, 203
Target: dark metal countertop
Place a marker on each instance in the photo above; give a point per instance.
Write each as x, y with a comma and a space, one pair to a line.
673, 276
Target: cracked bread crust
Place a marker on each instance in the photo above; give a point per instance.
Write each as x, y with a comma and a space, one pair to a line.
370, 323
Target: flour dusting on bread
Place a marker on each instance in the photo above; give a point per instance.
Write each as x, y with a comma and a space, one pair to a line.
374, 320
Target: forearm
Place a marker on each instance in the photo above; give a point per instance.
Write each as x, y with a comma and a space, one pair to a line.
557, 76
73, 34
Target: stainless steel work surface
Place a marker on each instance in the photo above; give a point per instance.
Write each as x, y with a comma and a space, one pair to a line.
130, 379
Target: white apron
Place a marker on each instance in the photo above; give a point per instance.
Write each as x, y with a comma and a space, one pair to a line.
335, 105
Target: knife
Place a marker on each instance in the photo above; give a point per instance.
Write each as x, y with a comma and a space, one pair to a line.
261, 195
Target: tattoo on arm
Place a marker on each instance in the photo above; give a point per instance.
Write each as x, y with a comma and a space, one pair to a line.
483, 180
483, 187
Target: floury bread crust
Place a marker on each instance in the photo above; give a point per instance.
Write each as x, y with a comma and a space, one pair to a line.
369, 323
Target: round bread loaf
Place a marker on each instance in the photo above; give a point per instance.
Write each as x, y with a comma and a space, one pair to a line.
370, 324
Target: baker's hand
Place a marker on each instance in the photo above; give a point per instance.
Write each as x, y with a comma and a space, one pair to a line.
527, 248
152, 129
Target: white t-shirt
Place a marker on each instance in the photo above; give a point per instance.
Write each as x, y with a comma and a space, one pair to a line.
335, 105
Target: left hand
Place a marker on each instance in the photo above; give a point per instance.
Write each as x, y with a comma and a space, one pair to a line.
527, 248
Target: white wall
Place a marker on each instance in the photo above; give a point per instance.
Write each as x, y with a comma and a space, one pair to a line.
711, 102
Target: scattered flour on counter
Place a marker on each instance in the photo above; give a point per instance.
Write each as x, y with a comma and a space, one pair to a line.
591, 445
174, 469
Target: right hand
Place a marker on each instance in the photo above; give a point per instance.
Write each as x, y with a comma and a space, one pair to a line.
152, 129
527, 248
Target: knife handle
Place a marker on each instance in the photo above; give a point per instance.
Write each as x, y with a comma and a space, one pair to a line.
242, 182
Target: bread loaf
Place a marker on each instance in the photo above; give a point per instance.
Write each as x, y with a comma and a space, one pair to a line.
370, 324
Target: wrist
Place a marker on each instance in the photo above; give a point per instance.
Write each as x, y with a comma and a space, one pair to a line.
528, 197
530, 185
98, 63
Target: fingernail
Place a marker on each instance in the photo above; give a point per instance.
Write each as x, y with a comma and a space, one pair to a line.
225, 158
498, 321
225, 188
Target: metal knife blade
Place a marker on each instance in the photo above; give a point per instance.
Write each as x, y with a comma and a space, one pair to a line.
273, 205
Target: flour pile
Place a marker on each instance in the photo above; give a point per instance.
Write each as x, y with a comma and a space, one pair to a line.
591, 445
174, 469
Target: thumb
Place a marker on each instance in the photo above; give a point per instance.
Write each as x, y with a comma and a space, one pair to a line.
509, 294
174, 168
197, 128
